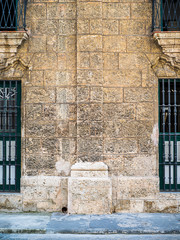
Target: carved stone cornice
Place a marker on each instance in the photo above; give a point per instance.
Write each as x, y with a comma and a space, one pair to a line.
170, 43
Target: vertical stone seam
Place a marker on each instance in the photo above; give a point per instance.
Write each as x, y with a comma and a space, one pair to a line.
76, 79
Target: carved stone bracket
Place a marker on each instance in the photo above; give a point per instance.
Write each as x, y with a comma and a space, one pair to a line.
164, 67
170, 43
13, 68
9, 42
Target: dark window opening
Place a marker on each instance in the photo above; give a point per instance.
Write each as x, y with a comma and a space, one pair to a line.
10, 136
166, 15
8, 15
171, 15
169, 134
13, 15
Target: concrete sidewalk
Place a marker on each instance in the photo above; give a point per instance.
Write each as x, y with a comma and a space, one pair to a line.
57, 223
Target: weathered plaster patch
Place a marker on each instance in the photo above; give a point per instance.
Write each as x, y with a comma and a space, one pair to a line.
154, 135
63, 166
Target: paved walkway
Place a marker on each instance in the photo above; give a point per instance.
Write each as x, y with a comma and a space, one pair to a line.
87, 227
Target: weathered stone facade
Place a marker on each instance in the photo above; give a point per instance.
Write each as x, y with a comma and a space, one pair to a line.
89, 73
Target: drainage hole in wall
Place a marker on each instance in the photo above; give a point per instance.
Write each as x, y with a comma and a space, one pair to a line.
64, 209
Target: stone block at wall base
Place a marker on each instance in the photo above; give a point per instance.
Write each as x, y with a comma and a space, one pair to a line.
43, 193
10, 202
89, 189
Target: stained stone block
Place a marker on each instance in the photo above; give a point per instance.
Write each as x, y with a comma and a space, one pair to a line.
83, 60
138, 44
120, 146
96, 94
141, 10
37, 78
89, 189
96, 60
90, 146
10, 202
43, 26
37, 44
89, 10
66, 95
131, 206
111, 60
67, 27
83, 26
119, 111
114, 44
122, 78
36, 11
110, 27
138, 94
128, 27
113, 95
40, 95
92, 77
89, 43
83, 94
136, 187
33, 111
154, 206
44, 193
116, 10
145, 111
96, 26
59, 78
61, 11
51, 44
42, 61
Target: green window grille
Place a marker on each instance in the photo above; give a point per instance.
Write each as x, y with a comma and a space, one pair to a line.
10, 136
166, 15
169, 134
12, 15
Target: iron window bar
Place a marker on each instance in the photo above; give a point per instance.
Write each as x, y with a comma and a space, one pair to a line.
166, 15
169, 134
13, 15
10, 136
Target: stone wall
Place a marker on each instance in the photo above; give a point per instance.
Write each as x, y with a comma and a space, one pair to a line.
90, 93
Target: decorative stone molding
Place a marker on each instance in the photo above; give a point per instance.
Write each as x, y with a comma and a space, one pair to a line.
13, 68
9, 42
164, 67
89, 189
170, 43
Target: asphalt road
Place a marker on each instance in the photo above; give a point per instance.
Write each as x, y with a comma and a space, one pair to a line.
87, 237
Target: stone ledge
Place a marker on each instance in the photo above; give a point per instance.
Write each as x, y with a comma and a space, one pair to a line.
88, 166
88, 169
170, 43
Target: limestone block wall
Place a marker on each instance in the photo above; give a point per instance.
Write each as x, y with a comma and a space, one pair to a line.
49, 104
129, 103
89, 73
